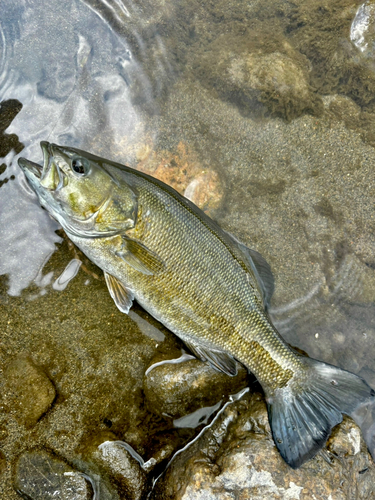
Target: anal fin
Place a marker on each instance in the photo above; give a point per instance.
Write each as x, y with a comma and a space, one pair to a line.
122, 295
219, 360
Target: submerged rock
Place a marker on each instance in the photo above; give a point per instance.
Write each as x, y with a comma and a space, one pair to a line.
176, 387
237, 458
182, 170
42, 476
275, 80
29, 392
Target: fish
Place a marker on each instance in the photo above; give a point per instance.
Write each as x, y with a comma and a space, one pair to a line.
213, 292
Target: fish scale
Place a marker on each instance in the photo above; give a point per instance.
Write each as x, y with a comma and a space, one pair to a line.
210, 290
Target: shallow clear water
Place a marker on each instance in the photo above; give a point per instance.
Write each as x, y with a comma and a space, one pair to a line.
263, 114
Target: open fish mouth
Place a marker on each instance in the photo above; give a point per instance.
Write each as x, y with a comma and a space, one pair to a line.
44, 180
50, 175
29, 167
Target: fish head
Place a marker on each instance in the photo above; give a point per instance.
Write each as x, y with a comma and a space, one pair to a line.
80, 192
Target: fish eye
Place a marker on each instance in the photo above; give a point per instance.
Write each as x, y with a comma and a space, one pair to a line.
80, 167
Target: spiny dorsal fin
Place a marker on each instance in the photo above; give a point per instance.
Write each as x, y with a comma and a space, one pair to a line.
218, 359
122, 295
140, 257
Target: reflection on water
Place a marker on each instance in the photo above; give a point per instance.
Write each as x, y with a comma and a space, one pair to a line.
76, 90
26, 242
263, 114
197, 418
361, 26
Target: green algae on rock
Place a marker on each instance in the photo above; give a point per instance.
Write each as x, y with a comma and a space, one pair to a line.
254, 80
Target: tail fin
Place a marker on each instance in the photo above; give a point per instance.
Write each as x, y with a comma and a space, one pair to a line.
303, 414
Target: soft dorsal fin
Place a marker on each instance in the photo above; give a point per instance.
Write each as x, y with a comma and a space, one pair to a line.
218, 359
264, 272
122, 295
140, 257
260, 267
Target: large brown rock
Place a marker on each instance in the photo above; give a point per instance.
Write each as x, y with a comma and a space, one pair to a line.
237, 458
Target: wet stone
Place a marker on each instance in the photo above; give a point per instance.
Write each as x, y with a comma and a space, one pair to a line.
42, 476
28, 390
176, 389
346, 439
237, 458
120, 466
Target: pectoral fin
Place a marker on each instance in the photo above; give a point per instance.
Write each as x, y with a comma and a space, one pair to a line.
140, 257
217, 359
122, 295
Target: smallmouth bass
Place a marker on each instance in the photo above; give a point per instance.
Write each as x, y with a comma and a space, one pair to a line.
158, 248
